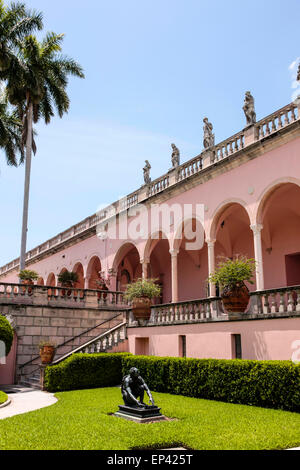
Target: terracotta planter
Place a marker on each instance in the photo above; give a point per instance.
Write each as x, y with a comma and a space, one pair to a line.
47, 354
235, 299
65, 292
141, 308
27, 282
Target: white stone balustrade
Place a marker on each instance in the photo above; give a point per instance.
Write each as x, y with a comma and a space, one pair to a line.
159, 185
190, 168
285, 300
60, 296
105, 341
276, 121
229, 146
186, 312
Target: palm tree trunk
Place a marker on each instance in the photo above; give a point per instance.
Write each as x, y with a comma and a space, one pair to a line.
26, 187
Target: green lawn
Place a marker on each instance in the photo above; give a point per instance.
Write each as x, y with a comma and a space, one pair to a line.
3, 397
81, 420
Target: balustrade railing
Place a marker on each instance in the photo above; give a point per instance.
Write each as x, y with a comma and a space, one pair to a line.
190, 168
54, 295
284, 300
276, 121
159, 185
105, 341
229, 146
184, 312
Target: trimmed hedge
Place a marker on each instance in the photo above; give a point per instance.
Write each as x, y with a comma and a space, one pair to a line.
269, 384
81, 371
3, 397
6, 333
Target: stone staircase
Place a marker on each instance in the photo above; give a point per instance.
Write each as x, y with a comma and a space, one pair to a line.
107, 336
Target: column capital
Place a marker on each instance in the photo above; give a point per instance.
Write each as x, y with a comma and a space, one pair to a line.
174, 253
145, 260
210, 243
256, 228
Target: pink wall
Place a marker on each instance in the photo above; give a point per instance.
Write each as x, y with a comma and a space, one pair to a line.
7, 371
261, 339
246, 186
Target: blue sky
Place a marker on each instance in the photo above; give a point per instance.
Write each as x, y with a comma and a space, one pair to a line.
154, 69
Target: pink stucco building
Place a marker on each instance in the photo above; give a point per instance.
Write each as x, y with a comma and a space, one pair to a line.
241, 196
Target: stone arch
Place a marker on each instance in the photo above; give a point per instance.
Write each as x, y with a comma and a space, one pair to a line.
265, 196
40, 281
215, 219
78, 269
188, 226
127, 258
94, 267
278, 216
152, 241
51, 280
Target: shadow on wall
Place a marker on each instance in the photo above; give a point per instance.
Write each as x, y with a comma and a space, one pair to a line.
260, 347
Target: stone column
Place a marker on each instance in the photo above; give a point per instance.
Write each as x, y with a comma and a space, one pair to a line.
145, 267
174, 275
256, 229
211, 265
86, 282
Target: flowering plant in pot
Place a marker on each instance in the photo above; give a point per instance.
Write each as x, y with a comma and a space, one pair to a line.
230, 276
140, 293
28, 277
47, 351
67, 279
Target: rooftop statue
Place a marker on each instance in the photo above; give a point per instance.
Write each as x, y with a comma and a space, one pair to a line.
133, 388
175, 156
146, 170
209, 137
249, 108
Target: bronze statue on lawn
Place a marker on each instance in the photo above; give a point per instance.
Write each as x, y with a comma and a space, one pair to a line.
133, 389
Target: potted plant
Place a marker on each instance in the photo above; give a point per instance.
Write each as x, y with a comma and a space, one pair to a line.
47, 351
28, 277
101, 285
140, 294
230, 276
67, 279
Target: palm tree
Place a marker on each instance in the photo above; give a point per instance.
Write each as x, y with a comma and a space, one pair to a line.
37, 86
10, 133
16, 22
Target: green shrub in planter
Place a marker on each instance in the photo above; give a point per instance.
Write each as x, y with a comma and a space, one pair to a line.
6, 333
142, 288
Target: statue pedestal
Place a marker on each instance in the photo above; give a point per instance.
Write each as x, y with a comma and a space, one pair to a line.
139, 414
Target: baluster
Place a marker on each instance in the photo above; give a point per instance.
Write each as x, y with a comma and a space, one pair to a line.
291, 303
298, 301
293, 114
267, 128
281, 303
196, 311
207, 310
273, 125
236, 147
230, 146
286, 118
266, 307
274, 308
279, 121
177, 313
